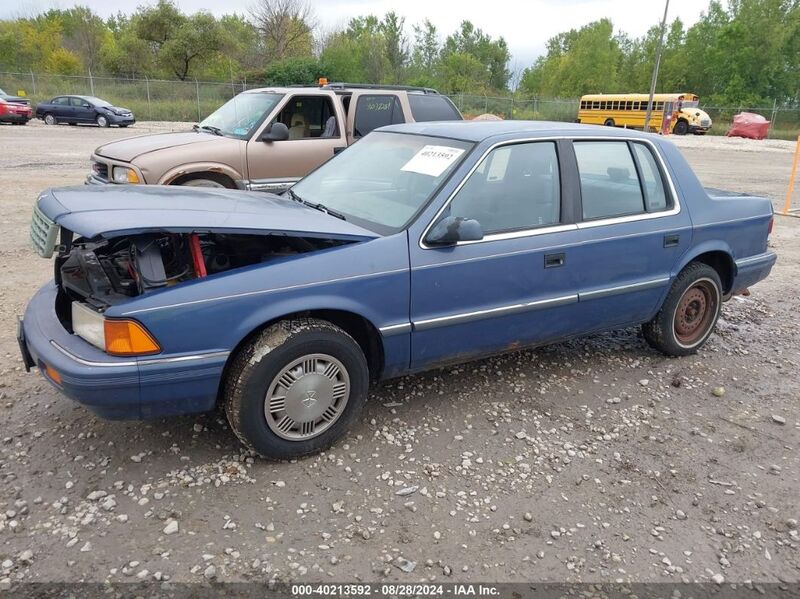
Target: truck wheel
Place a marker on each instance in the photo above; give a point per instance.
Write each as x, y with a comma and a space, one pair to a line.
689, 313
609, 123
295, 388
49, 119
681, 128
102, 121
201, 183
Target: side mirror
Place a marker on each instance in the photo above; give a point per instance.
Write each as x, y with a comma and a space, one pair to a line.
452, 229
275, 132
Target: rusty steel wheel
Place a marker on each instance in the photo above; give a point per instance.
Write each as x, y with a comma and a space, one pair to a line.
696, 312
689, 312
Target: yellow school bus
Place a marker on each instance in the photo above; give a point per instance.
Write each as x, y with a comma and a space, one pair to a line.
628, 110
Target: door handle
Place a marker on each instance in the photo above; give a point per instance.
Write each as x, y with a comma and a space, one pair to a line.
553, 260
671, 240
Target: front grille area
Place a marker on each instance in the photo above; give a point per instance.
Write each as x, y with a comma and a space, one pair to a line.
43, 233
100, 170
705, 122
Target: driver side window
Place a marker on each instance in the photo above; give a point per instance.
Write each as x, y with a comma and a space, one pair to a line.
516, 187
309, 117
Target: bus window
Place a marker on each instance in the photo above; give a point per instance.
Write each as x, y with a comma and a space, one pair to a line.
629, 105
596, 105
615, 105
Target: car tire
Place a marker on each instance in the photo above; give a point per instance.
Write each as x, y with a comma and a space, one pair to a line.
689, 313
610, 123
201, 182
102, 121
49, 119
681, 128
295, 388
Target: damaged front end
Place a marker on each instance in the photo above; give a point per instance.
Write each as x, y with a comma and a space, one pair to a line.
113, 247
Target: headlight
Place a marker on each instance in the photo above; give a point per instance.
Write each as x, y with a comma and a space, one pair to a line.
123, 174
116, 337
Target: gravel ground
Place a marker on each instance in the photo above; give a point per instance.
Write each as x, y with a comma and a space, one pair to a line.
593, 460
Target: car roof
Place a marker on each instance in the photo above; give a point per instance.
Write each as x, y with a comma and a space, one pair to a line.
477, 131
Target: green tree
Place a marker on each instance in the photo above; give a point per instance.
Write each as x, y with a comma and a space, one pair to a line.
396, 45
492, 54
196, 39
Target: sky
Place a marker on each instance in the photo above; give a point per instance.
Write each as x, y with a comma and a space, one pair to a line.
526, 25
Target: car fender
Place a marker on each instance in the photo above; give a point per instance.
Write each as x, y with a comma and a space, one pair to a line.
278, 310
712, 245
199, 167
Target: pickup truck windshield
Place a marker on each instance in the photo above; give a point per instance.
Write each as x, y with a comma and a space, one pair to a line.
382, 181
239, 116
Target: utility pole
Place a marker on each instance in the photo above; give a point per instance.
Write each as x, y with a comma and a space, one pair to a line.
654, 80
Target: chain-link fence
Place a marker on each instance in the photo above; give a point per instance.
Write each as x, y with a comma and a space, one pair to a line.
191, 100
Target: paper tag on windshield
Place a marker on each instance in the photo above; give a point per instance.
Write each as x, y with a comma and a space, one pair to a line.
432, 160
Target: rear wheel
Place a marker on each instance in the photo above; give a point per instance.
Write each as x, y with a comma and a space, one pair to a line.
296, 388
689, 313
49, 119
681, 128
609, 123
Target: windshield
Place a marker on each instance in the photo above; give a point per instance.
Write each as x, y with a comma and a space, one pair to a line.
382, 181
690, 104
96, 101
240, 116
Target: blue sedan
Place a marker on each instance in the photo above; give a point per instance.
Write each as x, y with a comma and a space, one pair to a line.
421, 245
77, 110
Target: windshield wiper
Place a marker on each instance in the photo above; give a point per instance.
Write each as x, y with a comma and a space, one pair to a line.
214, 130
320, 207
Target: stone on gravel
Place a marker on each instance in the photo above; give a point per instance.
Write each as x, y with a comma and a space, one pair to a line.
171, 527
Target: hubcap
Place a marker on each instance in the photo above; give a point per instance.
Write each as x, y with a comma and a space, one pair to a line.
695, 313
307, 397
49, 120
101, 121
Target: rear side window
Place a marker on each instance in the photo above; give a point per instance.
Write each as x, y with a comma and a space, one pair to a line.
375, 111
61, 101
654, 195
609, 183
427, 107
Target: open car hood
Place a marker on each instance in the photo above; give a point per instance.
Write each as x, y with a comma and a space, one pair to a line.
111, 211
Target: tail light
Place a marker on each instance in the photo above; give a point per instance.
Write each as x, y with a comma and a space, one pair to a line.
771, 224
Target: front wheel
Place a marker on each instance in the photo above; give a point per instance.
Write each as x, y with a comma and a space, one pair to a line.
296, 388
689, 313
102, 121
681, 128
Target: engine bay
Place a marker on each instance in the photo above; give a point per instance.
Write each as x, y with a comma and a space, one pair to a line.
107, 271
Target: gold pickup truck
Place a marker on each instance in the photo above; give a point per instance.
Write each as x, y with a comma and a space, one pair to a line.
266, 139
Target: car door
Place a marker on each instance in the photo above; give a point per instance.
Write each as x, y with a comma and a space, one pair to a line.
632, 231
81, 110
369, 110
316, 133
512, 288
62, 110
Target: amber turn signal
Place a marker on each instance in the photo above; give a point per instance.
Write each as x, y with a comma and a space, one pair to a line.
128, 338
53, 374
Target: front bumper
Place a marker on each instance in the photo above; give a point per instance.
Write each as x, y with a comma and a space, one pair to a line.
116, 388
116, 119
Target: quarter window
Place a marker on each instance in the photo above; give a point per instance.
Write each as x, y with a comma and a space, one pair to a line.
609, 184
375, 111
515, 187
431, 107
652, 183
